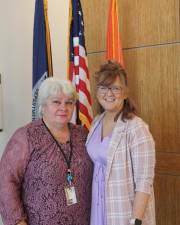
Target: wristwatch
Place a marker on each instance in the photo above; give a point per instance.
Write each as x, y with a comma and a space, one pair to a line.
135, 221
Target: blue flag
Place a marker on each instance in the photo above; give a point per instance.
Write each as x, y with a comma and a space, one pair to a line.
40, 60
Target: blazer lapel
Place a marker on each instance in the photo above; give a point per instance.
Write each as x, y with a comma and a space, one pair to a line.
117, 134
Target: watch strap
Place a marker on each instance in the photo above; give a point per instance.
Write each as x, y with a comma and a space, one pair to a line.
135, 221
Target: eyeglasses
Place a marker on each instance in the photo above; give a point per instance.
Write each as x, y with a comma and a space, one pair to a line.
104, 89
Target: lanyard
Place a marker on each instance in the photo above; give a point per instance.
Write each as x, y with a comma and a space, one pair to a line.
69, 175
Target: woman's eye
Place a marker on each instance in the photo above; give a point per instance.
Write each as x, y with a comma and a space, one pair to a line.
57, 102
115, 88
69, 103
103, 88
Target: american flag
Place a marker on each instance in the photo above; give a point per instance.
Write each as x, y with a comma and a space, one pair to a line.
78, 67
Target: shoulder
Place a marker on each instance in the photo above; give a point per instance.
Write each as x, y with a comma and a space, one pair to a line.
79, 131
31, 127
138, 128
20, 132
35, 127
136, 122
23, 133
18, 142
131, 124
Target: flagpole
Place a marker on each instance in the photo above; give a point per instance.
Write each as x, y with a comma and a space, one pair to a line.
69, 33
48, 42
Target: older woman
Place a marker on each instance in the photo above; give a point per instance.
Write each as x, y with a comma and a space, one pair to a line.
45, 170
123, 153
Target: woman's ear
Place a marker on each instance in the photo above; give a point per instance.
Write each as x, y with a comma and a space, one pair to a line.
42, 110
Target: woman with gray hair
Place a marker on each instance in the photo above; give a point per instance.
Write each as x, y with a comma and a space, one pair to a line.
45, 170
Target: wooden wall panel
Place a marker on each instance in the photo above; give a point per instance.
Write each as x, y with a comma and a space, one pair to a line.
167, 195
141, 22
149, 22
168, 163
154, 78
95, 19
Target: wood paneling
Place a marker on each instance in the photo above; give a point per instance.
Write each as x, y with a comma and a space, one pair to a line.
141, 22
95, 19
167, 195
154, 80
168, 163
149, 22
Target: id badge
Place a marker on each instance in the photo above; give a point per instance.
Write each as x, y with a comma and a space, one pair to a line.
70, 193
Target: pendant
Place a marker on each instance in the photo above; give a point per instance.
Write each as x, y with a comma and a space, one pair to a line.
69, 176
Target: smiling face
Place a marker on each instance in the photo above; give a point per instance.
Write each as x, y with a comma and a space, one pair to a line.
111, 97
58, 110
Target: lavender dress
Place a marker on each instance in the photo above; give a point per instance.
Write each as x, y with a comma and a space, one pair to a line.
97, 150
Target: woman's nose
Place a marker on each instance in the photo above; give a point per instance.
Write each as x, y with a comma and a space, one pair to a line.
109, 92
63, 106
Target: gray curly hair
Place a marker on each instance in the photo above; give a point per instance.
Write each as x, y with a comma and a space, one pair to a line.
51, 86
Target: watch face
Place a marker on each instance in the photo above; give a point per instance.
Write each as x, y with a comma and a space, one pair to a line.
135, 221
138, 222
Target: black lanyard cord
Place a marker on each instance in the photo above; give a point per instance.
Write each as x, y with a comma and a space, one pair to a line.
67, 160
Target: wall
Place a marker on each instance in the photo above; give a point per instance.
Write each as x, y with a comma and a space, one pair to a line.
150, 32
17, 18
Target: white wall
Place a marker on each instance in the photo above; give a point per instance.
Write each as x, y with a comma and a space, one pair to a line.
16, 22
16, 36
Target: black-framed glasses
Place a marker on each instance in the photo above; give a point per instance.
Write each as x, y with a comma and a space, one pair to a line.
104, 89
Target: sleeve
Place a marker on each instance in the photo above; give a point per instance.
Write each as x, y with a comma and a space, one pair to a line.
12, 167
142, 149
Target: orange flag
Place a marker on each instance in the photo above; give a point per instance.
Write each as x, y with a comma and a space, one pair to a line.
113, 45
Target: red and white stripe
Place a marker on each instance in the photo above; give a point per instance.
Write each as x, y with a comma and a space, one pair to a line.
81, 81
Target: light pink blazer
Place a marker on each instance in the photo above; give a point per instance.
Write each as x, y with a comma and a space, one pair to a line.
130, 168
